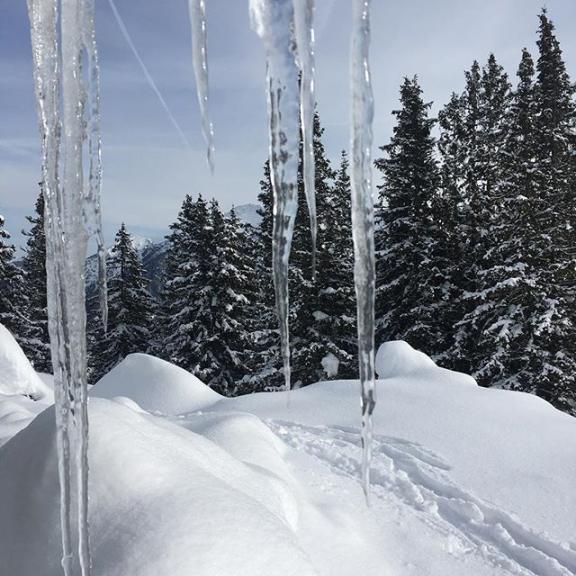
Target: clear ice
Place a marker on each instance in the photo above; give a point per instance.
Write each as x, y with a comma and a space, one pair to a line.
68, 112
304, 34
362, 113
272, 20
197, 9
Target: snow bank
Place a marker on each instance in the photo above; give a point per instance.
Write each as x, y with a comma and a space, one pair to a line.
509, 448
155, 385
163, 500
397, 358
17, 377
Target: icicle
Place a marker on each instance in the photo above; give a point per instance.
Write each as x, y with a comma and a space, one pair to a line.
272, 20
197, 9
304, 33
66, 207
93, 215
363, 219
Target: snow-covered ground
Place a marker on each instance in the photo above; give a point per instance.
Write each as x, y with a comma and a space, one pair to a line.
466, 481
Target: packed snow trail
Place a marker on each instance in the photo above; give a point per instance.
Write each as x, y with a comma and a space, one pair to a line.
419, 479
272, 21
147, 74
304, 34
362, 114
68, 111
197, 9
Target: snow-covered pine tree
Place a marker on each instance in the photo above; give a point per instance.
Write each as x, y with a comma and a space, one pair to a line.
231, 281
311, 340
482, 334
450, 216
266, 363
335, 314
185, 276
410, 261
312, 302
552, 351
130, 308
14, 307
37, 344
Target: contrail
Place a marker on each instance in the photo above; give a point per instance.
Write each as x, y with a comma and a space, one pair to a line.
163, 102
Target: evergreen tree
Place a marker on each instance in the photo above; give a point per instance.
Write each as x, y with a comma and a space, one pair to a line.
266, 363
130, 308
13, 302
410, 266
207, 296
37, 345
184, 295
335, 317
481, 335
552, 350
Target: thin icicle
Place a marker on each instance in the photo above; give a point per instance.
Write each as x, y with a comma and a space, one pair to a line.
272, 20
93, 211
197, 9
362, 113
304, 34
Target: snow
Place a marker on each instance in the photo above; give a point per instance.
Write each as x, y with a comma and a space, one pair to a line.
465, 480
17, 376
330, 364
155, 385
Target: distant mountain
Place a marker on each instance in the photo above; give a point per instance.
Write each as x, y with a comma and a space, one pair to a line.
153, 253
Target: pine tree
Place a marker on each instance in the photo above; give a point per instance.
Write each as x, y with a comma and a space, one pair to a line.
14, 307
130, 308
186, 269
335, 318
410, 277
311, 299
482, 334
266, 363
231, 274
37, 344
552, 350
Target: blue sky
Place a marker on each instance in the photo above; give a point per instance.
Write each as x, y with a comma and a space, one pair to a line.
147, 170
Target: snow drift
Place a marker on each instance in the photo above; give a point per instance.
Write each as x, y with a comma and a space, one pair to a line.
164, 500
17, 377
155, 385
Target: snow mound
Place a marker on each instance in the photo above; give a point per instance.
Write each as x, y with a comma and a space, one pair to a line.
163, 500
398, 358
17, 377
155, 385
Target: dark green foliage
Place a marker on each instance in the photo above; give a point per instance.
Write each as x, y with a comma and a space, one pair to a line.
37, 344
411, 263
130, 310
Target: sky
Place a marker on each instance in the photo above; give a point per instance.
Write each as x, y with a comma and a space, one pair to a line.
147, 168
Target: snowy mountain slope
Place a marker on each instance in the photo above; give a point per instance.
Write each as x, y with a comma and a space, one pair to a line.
465, 480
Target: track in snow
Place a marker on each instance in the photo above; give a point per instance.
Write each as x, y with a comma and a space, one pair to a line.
418, 477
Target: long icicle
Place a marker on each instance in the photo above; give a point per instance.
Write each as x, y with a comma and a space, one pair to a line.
43, 15
304, 34
197, 9
61, 90
272, 20
93, 216
362, 113
75, 244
